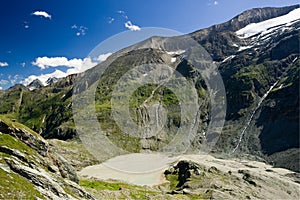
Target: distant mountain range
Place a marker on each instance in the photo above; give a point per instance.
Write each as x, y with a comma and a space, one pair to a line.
257, 55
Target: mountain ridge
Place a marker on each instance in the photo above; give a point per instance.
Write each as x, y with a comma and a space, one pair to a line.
249, 68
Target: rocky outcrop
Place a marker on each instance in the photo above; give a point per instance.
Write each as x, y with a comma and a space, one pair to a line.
205, 177
38, 178
184, 169
26, 154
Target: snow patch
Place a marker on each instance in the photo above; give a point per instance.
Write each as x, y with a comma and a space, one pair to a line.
255, 28
228, 58
176, 52
173, 59
244, 48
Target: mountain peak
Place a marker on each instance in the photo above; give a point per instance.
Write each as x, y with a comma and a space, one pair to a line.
52, 80
35, 84
247, 17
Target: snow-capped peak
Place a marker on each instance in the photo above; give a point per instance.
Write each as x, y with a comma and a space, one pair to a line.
255, 28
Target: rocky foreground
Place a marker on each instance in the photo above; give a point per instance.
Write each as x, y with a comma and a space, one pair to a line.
30, 168
199, 177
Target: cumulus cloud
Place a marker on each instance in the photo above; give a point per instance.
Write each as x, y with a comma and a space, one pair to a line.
45, 62
44, 77
3, 64
131, 26
42, 14
80, 30
216, 3
75, 66
1, 88
103, 57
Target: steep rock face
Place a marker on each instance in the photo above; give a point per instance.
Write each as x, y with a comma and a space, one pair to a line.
268, 65
221, 41
25, 155
253, 16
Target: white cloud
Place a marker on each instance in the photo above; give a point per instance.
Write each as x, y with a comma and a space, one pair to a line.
1, 88
4, 82
44, 77
216, 3
26, 25
111, 20
103, 57
45, 62
14, 79
131, 26
85, 64
3, 64
121, 12
128, 24
23, 64
80, 30
75, 65
42, 14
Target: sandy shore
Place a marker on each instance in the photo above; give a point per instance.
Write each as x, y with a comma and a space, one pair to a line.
138, 169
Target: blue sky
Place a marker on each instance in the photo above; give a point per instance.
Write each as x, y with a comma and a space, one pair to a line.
38, 35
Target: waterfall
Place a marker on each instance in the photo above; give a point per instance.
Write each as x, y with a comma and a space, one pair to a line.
252, 115
260, 102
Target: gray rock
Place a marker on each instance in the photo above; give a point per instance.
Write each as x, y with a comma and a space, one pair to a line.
39, 178
65, 169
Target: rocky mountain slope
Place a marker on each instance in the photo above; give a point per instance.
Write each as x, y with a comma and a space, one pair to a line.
29, 170
261, 77
257, 55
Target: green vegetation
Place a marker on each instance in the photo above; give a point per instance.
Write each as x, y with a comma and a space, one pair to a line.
173, 179
41, 110
14, 186
132, 191
20, 189
99, 185
13, 143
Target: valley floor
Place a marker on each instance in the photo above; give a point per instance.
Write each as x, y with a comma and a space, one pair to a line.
235, 179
